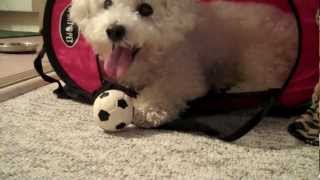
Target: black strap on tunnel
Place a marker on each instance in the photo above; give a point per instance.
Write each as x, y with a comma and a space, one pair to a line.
248, 126
39, 68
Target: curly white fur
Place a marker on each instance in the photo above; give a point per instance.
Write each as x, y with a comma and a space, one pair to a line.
188, 47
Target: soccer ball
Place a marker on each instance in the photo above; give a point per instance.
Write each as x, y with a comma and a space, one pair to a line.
113, 110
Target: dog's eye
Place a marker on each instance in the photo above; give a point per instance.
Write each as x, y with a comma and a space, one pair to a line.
145, 9
107, 4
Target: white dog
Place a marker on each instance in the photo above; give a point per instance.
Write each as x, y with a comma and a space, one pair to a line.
174, 51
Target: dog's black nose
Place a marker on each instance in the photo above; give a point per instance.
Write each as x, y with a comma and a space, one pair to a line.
116, 33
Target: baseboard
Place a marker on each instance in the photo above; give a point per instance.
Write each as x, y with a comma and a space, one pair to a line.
23, 87
23, 76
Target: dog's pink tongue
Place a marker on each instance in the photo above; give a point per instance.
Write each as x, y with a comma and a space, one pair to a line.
118, 63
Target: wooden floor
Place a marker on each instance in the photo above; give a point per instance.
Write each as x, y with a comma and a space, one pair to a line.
18, 69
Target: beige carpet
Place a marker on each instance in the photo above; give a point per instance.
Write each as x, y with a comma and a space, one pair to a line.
42, 137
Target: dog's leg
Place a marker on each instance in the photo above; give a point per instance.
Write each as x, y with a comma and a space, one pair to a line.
165, 99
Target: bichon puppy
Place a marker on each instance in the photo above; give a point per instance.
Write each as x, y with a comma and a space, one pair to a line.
174, 51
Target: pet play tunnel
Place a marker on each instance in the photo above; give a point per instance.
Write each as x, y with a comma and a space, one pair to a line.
76, 63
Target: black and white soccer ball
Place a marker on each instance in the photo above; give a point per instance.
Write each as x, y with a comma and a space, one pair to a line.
113, 110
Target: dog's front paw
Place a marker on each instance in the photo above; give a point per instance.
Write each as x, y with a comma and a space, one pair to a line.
150, 117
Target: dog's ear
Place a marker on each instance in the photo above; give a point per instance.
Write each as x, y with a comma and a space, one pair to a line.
184, 12
79, 11
164, 4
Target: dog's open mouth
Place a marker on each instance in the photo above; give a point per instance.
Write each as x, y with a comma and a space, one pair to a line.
119, 61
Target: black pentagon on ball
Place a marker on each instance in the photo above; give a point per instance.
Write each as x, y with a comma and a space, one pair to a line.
104, 115
122, 104
104, 94
121, 126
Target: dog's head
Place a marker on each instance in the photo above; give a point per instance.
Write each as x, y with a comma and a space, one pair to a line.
119, 29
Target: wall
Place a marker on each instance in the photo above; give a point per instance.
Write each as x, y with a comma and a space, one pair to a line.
21, 15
